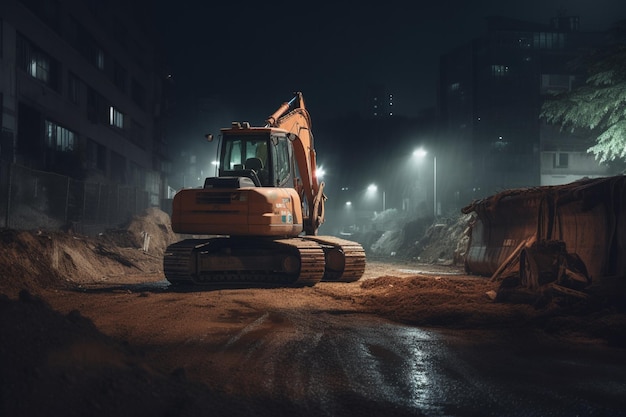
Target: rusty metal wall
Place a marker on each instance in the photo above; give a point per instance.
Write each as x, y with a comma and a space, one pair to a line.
501, 226
588, 215
586, 232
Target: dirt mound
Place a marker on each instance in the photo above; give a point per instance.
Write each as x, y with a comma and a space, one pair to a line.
57, 259
26, 261
451, 301
151, 231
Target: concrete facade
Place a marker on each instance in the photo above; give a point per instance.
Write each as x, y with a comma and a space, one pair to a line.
82, 92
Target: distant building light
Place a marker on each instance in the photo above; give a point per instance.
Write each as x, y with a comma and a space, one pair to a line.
499, 70
116, 117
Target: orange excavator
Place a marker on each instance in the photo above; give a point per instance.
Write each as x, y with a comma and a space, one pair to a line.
261, 214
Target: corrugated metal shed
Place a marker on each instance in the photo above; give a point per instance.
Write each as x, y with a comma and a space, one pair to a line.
588, 215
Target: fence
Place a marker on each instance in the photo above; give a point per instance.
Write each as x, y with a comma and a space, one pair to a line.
32, 199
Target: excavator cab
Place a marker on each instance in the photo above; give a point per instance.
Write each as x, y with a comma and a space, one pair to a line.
263, 155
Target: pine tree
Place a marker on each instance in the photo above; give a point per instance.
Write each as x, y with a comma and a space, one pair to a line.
599, 106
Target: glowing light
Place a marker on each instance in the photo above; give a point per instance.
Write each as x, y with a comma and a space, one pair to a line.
420, 153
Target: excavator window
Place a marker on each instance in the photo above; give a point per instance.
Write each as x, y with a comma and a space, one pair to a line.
282, 161
245, 154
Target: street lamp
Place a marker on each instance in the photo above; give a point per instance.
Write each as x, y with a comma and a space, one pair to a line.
372, 188
420, 153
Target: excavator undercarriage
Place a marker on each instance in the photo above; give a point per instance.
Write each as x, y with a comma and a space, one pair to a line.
302, 261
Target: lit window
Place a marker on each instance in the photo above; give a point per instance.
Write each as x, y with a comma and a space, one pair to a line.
116, 118
548, 40
499, 70
59, 138
39, 66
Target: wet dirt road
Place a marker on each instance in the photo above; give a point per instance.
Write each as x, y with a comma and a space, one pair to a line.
338, 364
318, 355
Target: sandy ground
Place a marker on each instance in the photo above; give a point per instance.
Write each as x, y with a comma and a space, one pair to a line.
91, 324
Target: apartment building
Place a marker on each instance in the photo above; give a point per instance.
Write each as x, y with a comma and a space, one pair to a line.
82, 91
490, 95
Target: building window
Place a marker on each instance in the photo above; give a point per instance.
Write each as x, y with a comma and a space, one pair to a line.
560, 160
86, 44
36, 63
39, 66
59, 138
116, 118
499, 70
548, 40
73, 87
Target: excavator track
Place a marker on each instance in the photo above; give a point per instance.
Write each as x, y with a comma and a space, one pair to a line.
229, 261
344, 259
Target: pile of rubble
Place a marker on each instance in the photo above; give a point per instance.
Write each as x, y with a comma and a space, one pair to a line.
443, 241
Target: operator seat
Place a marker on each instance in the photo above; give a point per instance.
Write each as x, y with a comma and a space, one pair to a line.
254, 163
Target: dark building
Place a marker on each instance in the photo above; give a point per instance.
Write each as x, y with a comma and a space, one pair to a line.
377, 103
490, 96
82, 92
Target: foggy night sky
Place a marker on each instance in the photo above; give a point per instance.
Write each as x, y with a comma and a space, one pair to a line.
253, 55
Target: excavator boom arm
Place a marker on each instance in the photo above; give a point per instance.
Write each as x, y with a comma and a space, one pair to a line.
295, 119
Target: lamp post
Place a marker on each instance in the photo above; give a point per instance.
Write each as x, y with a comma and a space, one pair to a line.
420, 153
435, 186
372, 188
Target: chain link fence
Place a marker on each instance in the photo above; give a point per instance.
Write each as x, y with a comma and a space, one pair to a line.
31, 199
